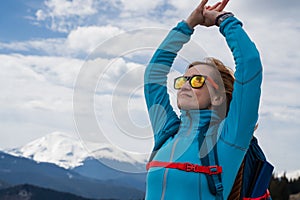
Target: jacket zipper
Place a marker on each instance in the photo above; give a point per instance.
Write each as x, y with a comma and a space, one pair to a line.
171, 158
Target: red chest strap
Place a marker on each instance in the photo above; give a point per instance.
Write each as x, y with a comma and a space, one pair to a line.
188, 167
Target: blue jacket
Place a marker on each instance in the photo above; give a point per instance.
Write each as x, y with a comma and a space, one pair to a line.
176, 137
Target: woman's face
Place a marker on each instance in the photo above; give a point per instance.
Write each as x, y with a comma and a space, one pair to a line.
189, 98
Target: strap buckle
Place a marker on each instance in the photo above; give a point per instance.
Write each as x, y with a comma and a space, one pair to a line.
214, 170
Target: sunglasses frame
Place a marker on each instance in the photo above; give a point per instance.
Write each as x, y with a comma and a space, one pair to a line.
189, 79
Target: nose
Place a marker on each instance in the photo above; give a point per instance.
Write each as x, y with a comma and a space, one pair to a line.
186, 86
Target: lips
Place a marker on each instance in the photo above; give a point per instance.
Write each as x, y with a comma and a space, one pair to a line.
185, 95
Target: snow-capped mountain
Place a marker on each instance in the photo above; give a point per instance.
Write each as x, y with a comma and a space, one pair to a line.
103, 162
59, 148
67, 151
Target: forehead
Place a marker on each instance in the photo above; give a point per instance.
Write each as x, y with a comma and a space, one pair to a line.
200, 69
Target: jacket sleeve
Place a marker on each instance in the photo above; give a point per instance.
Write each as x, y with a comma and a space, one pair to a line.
243, 112
163, 119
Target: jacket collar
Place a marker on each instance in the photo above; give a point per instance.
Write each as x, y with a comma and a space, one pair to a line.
198, 118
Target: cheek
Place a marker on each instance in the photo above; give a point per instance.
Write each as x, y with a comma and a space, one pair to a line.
202, 95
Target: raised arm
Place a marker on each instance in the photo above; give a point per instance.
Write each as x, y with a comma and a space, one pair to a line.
163, 119
243, 112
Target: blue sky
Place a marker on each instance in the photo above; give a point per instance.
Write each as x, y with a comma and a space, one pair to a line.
17, 22
46, 45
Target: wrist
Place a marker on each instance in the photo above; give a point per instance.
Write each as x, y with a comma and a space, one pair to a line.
190, 23
220, 18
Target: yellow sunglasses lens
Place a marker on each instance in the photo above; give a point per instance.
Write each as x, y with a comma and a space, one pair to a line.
179, 82
197, 81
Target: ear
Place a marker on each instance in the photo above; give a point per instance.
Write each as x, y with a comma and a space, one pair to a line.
217, 100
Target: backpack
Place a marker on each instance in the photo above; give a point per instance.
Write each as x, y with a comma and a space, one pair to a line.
253, 177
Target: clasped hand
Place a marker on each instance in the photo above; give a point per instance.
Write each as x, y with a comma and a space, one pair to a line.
206, 15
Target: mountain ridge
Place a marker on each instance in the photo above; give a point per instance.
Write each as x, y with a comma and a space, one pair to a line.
18, 170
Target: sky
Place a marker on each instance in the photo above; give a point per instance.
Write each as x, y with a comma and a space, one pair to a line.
76, 66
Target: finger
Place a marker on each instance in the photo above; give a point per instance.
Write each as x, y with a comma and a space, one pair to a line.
222, 5
215, 6
202, 4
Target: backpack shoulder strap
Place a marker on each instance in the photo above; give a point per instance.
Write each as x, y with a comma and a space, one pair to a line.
208, 156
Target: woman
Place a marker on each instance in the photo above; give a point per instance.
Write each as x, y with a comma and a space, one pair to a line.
207, 103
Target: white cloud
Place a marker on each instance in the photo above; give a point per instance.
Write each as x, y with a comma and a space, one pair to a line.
40, 15
36, 96
55, 70
37, 84
137, 7
184, 6
65, 8
79, 42
64, 15
86, 39
52, 46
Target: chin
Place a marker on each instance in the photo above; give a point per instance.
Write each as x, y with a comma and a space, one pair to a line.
187, 107
189, 104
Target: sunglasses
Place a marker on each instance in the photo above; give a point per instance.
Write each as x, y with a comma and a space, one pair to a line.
196, 81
